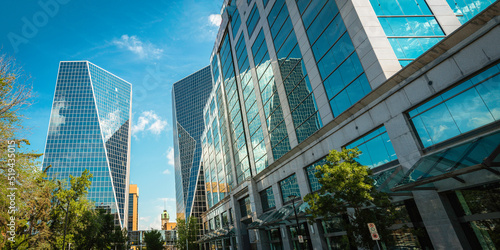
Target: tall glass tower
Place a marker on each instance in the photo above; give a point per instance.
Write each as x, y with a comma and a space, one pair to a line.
90, 129
189, 96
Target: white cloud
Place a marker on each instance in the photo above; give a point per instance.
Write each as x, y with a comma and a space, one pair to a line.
170, 156
167, 199
170, 160
215, 19
57, 119
146, 223
135, 45
149, 121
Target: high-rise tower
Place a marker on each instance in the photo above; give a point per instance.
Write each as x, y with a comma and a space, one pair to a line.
90, 129
189, 95
133, 208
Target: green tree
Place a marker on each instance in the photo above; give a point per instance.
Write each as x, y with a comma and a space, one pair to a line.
26, 194
32, 197
69, 204
98, 231
187, 233
347, 188
153, 240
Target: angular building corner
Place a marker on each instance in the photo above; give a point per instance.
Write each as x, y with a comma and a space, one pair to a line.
90, 129
189, 95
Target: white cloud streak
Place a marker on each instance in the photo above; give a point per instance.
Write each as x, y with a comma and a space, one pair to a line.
149, 121
170, 156
170, 160
215, 19
135, 45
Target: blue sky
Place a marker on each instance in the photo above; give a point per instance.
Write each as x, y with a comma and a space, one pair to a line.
150, 44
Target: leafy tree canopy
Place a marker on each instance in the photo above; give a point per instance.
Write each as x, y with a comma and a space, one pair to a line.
153, 240
187, 233
348, 189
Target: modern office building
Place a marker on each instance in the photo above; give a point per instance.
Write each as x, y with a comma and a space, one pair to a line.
413, 84
133, 208
90, 129
189, 96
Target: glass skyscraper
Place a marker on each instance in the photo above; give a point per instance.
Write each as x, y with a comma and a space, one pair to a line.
90, 129
189, 96
408, 83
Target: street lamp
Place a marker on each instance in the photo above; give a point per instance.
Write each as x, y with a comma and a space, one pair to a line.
293, 197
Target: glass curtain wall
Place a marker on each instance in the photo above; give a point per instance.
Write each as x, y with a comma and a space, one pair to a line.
298, 89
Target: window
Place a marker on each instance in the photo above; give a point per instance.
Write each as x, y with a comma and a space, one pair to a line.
311, 171
467, 9
376, 148
409, 25
267, 199
339, 66
245, 207
225, 219
253, 19
467, 106
289, 187
271, 101
305, 117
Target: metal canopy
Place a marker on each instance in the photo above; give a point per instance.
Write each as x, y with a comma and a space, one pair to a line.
220, 233
482, 153
261, 219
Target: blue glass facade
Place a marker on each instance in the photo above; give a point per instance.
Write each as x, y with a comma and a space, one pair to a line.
289, 188
189, 96
339, 66
376, 148
252, 110
311, 170
270, 99
410, 27
90, 129
467, 9
267, 199
240, 152
469, 105
298, 89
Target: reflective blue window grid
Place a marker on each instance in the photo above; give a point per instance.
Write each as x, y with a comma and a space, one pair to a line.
467, 9
252, 112
311, 171
410, 27
376, 148
189, 97
469, 105
88, 129
276, 127
339, 66
252, 20
267, 199
235, 21
289, 187
240, 152
305, 117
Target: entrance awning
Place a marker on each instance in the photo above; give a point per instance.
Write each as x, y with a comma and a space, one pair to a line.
482, 153
272, 219
221, 233
261, 219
